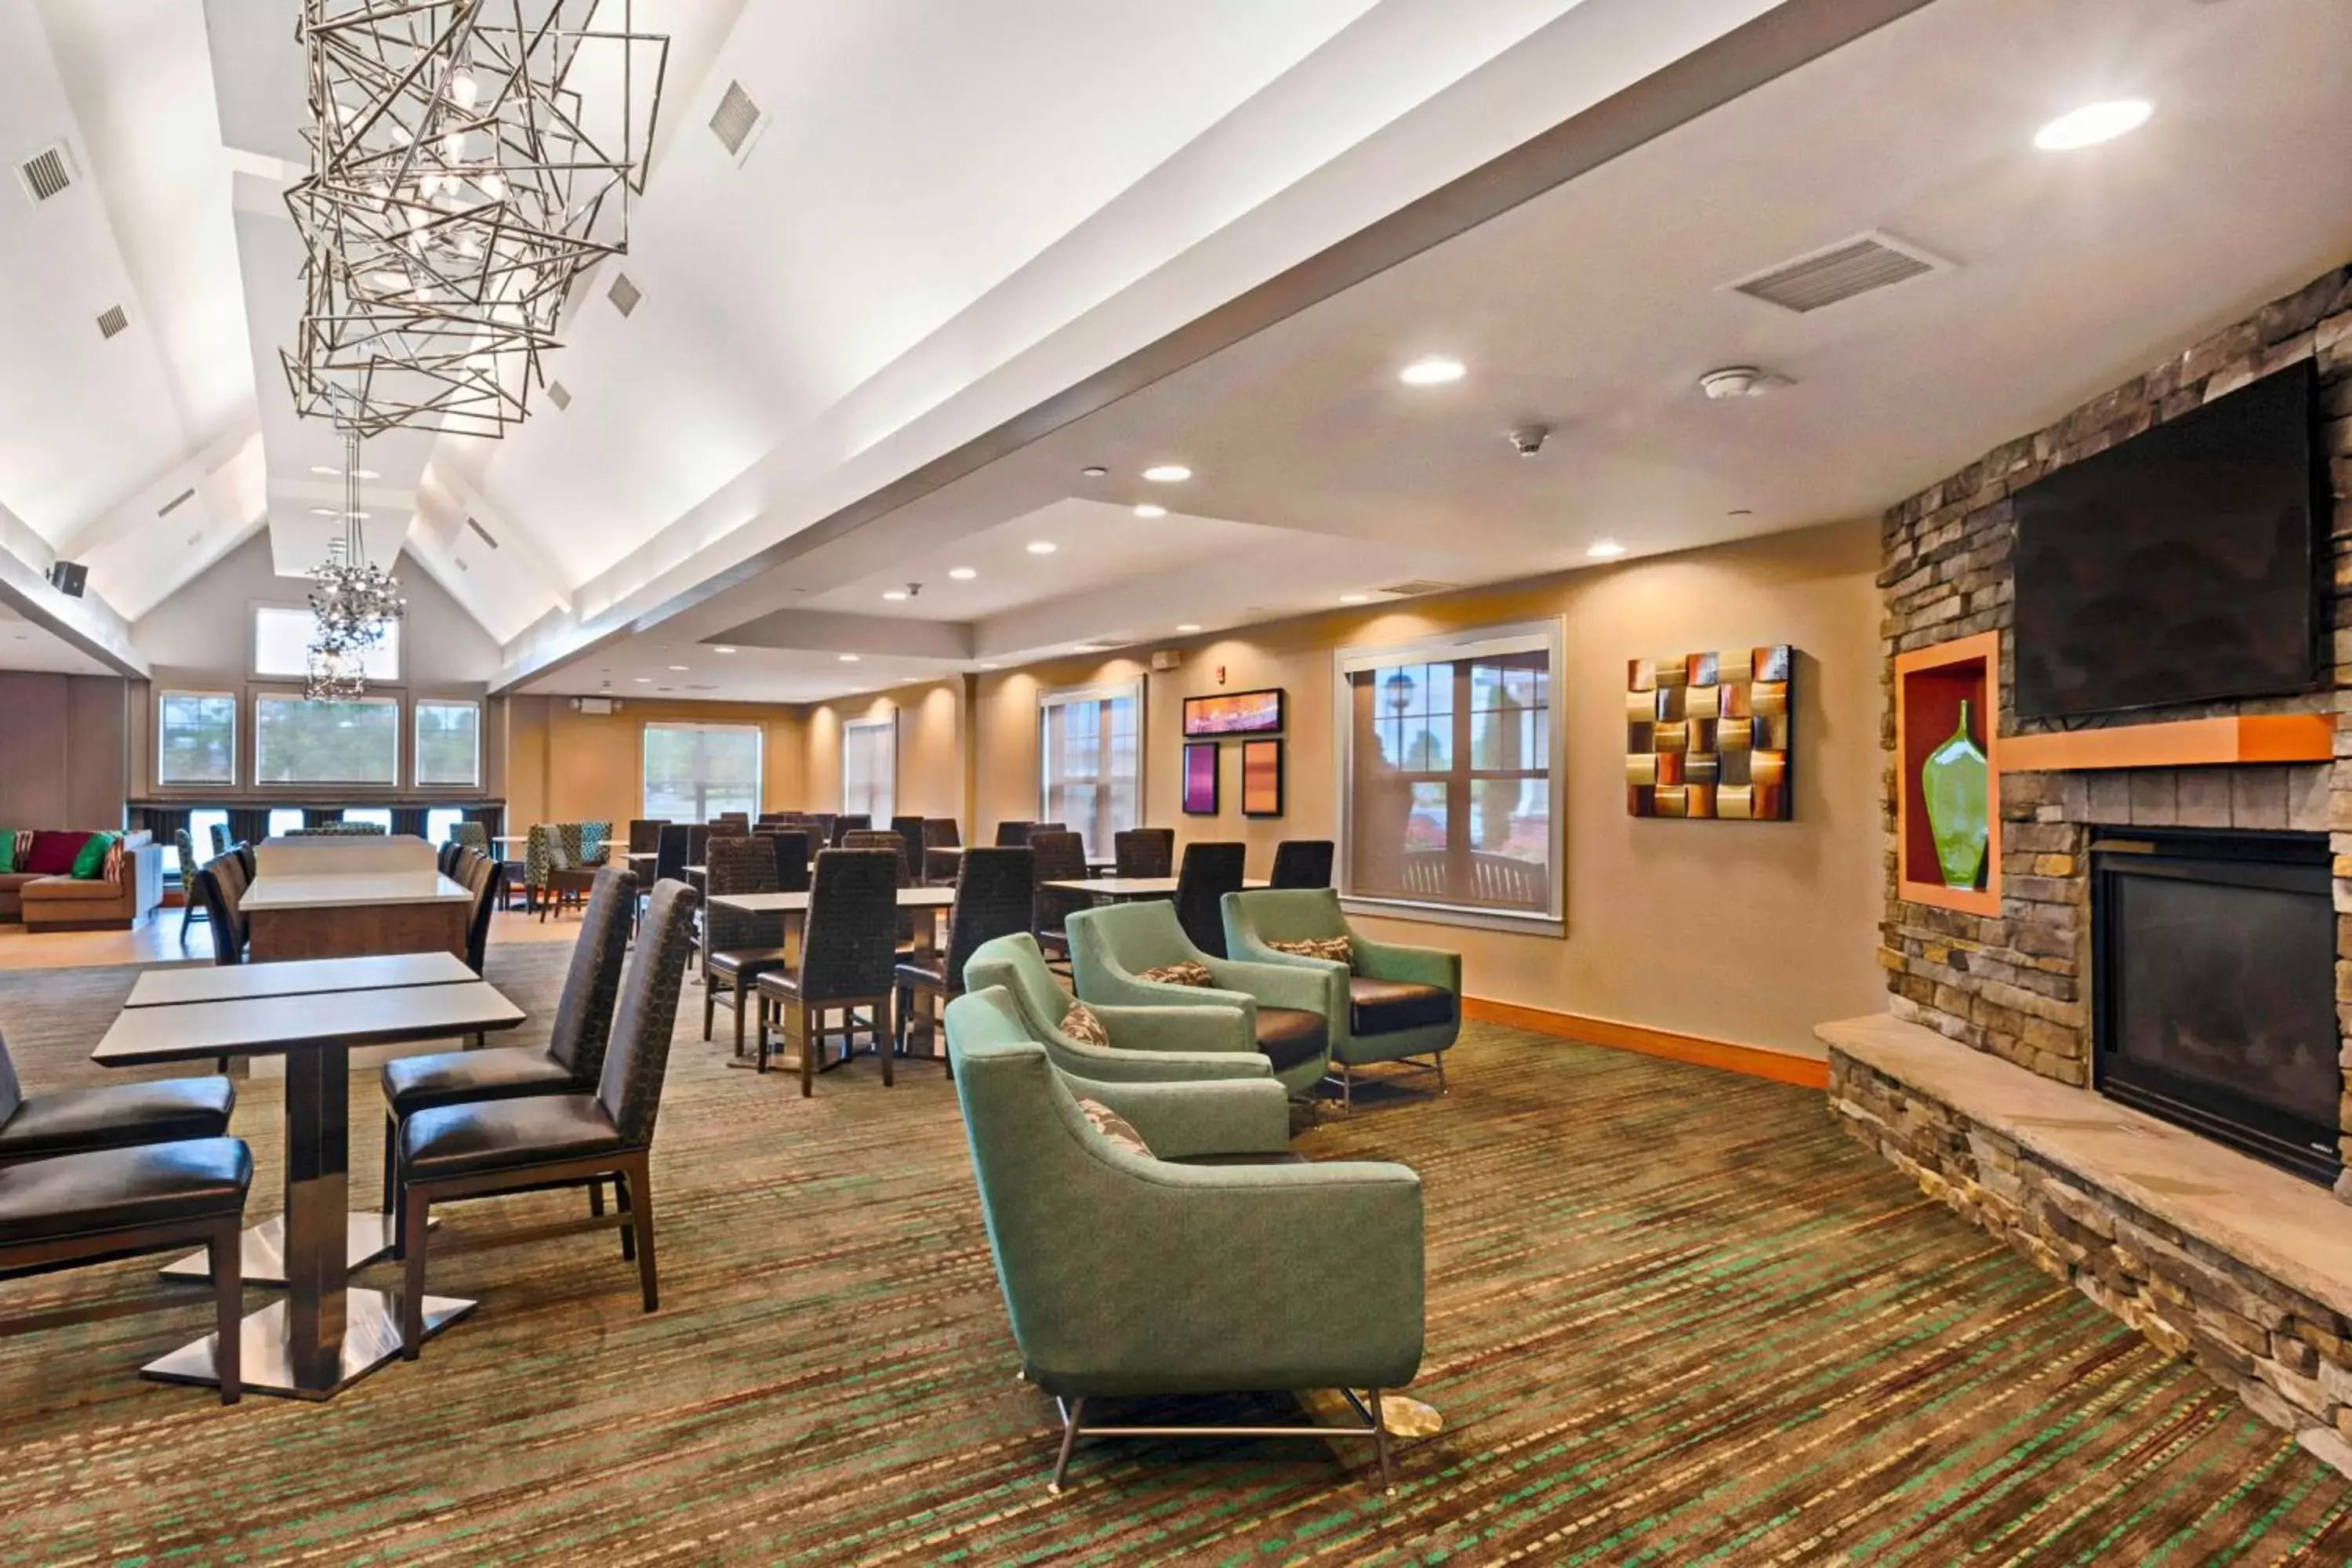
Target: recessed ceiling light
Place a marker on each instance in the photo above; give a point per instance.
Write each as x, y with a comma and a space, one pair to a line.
962, 574
1605, 550
2093, 123
722, 651
1094, 470
679, 668
1168, 473
1355, 598
894, 594
338, 473
1149, 510
992, 666
643, 679
1088, 647
1188, 626
1041, 547
1435, 370
849, 658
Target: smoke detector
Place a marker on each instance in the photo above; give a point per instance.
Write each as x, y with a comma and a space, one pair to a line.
1528, 439
1740, 381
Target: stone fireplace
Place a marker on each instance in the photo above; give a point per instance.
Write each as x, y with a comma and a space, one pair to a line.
2128, 1056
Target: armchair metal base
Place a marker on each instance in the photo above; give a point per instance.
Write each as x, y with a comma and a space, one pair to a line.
1347, 1075
1367, 1406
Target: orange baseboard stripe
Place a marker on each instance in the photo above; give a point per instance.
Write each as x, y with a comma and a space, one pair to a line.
1753, 1060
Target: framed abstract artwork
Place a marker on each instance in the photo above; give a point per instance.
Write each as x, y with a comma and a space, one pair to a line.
1233, 713
1261, 778
1200, 779
1707, 735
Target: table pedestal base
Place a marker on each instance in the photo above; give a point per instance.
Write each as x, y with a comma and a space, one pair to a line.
371, 1337
368, 1237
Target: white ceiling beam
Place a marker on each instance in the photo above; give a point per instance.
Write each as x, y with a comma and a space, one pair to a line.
89, 623
510, 536
818, 631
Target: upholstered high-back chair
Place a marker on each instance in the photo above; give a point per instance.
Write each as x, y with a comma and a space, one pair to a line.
1210, 872
1403, 1003
993, 900
882, 838
844, 824
1061, 857
1144, 852
1139, 955
849, 950
1260, 1276
472, 835
739, 947
645, 835
1136, 1045
910, 830
191, 903
221, 888
1302, 863
1013, 834
219, 832
487, 880
792, 846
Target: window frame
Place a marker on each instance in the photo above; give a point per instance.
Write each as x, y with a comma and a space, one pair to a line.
392, 699
416, 707
236, 738
888, 724
254, 672
759, 733
1136, 690
1548, 636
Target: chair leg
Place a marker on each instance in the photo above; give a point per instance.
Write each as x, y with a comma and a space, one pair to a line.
1381, 1441
641, 1226
187, 913
902, 1008
391, 1152
799, 1013
625, 1195
762, 1066
596, 1199
710, 1007
883, 1028
1071, 1414
1440, 1072
737, 994
415, 1210
228, 1249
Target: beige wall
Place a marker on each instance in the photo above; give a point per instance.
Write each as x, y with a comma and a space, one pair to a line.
566, 766
64, 750
1750, 932
931, 748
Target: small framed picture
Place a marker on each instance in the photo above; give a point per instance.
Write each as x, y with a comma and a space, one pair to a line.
1200, 779
1261, 778
1234, 713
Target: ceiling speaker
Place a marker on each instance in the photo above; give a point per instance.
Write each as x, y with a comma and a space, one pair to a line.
70, 577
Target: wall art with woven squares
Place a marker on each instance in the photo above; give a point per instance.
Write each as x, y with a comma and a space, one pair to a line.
1707, 735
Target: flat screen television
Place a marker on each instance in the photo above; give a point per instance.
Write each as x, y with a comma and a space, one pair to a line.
2177, 566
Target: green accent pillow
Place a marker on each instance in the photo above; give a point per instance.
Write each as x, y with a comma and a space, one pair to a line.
91, 861
8, 850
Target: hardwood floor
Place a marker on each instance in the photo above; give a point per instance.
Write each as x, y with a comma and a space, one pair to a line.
158, 940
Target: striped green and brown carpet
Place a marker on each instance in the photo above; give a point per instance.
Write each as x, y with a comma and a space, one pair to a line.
1673, 1318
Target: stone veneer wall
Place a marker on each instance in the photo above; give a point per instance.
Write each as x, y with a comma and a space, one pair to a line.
2017, 985
2286, 1355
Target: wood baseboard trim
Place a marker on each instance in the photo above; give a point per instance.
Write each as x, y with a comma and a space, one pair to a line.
1754, 1061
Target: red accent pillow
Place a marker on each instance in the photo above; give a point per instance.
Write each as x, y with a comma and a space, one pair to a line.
53, 854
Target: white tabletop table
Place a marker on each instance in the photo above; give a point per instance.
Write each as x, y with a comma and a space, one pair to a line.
182, 984
1117, 888
324, 1336
345, 914
346, 890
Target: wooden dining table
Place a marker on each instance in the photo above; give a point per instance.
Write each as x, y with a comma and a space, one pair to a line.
323, 1335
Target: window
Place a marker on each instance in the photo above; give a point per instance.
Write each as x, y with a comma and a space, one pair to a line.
285, 819
379, 814
870, 767
1451, 759
695, 770
449, 744
297, 741
1090, 743
281, 645
195, 737
200, 833
439, 822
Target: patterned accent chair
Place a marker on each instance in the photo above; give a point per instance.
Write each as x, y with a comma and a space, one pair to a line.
471, 834
1402, 1001
1145, 1045
739, 947
191, 902
1114, 950
220, 839
991, 901
489, 1148
1265, 1273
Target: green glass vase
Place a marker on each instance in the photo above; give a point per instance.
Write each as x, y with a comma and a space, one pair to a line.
1955, 783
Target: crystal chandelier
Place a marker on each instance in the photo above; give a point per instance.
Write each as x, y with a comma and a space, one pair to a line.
470, 161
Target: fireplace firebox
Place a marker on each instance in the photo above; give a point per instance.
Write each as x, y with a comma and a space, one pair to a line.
2214, 988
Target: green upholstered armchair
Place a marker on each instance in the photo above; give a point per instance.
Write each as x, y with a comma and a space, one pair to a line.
1402, 1001
1288, 1007
1147, 1044
1269, 1275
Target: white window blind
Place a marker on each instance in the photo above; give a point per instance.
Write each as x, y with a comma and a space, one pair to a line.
694, 772
298, 741
869, 768
1090, 748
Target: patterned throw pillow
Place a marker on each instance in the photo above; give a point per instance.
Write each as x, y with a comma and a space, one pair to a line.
1190, 971
1084, 1025
1337, 949
1115, 1127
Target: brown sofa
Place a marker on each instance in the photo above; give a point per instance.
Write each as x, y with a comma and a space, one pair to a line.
61, 903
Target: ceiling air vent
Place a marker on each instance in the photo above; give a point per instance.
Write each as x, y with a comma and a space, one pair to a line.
1417, 586
558, 395
1852, 267
481, 533
736, 121
45, 173
113, 323
176, 502
624, 294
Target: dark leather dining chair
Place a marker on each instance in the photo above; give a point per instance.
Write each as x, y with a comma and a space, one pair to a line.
572, 1061
73, 1209
842, 826
1060, 856
1302, 863
487, 880
882, 838
1144, 852
992, 900
488, 1148
1210, 871
192, 905
910, 830
1012, 835
791, 846
739, 947
108, 1115
939, 833
849, 952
